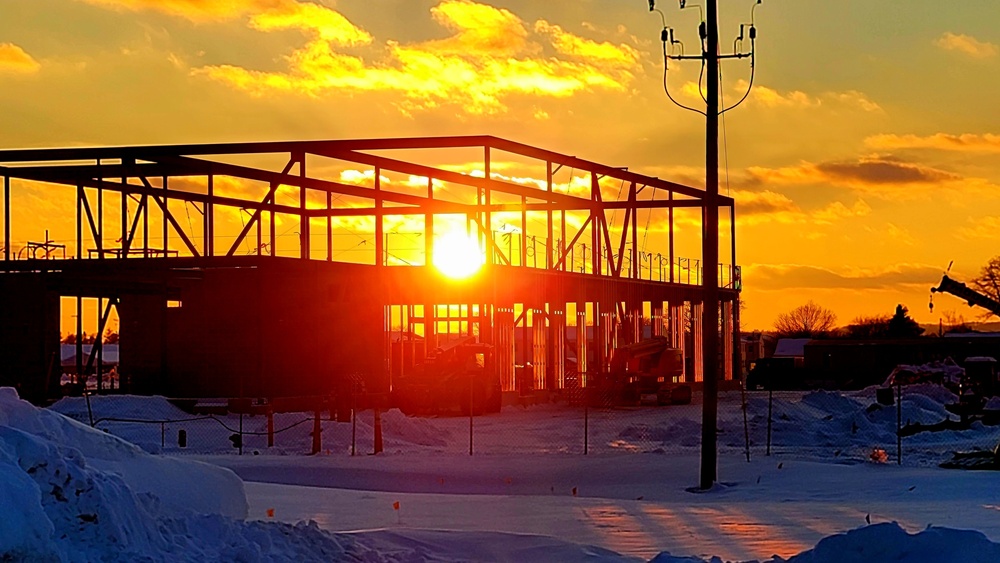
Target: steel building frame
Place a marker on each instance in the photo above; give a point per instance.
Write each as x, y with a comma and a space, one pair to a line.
613, 291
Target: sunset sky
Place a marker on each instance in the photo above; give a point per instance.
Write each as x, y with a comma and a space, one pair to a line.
866, 158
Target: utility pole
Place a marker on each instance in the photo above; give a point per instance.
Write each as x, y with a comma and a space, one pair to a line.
710, 258
710, 58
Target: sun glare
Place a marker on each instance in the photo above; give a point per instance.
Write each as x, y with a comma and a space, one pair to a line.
457, 255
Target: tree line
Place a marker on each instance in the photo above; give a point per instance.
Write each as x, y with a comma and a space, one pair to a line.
815, 321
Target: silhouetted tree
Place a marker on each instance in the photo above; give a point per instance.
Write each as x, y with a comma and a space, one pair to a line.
902, 326
805, 321
868, 327
111, 337
69, 338
988, 282
955, 322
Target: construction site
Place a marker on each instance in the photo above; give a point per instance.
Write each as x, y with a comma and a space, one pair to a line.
319, 268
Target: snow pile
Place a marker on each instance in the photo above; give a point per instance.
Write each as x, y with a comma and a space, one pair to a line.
993, 404
886, 542
119, 406
71, 493
889, 542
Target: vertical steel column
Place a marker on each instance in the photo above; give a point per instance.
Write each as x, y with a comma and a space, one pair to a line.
145, 226
430, 309
549, 242
381, 250
6, 217
670, 231
634, 209
698, 335
79, 221
100, 214
595, 230
305, 247
329, 226
557, 345
125, 242
524, 232
166, 207
208, 220
581, 343
656, 318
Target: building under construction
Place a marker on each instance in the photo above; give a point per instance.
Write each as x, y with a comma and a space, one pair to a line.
265, 269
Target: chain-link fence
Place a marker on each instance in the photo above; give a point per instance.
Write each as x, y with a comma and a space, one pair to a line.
915, 425
911, 424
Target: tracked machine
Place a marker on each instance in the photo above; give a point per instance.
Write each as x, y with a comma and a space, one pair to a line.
456, 378
646, 372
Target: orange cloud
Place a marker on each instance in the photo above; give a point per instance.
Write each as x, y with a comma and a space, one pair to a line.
14, 59
478, 29
767, 207
799, 276
983, 228
488, 57
770, 98
837, 210
195, 10
939, 141
872, 173
325, 24
572, 45
967, 45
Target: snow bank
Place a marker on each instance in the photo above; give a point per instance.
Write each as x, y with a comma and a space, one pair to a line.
72, 493
889, 542
119, 406
178, 483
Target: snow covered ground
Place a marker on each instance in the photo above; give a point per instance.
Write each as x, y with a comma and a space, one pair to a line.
74, 494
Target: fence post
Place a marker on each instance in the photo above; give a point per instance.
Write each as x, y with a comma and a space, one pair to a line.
378, 431
163, 431
472, 387
90, 411
586, 420
746, 425
241, 433
770, 401
899, 422
354, 421
270, 428
317, 444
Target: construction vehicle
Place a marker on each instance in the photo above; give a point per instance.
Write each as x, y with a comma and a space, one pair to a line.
455, 378
962, 291
980, 376
646, 372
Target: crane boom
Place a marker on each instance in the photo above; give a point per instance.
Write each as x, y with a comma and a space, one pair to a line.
971, 296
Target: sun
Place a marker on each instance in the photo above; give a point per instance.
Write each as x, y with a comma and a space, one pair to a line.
457, 255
